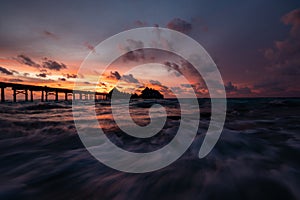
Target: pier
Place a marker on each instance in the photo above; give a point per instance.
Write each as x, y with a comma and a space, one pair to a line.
27, 91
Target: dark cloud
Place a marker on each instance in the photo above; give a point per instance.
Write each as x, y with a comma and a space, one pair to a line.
180, 25
115, 75
283, 61
14, 71
155, 82
229, 87
134, 51
233, 89
284, 57
25, 74
89, 47
5, 71
199, 88
27, 61
183, 68
134, 55
134, 44
53, 65
70, 75
47, 64
62, 79
293, 18
129, 78
50, 34
42, 75
173, 67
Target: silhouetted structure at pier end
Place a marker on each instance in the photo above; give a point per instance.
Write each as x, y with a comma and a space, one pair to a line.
147, 93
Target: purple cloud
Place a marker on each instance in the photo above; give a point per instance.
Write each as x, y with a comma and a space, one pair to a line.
27, 61
5, 71
180, 25
53, 65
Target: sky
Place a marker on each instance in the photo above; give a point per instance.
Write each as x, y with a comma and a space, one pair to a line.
255, 44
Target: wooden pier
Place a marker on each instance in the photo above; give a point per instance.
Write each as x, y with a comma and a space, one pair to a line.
27, 91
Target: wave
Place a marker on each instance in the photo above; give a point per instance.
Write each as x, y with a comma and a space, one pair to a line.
256, 157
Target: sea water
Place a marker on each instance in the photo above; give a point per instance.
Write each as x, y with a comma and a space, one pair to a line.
256, 157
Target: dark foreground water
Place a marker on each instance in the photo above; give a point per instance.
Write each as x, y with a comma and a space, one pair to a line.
257, 156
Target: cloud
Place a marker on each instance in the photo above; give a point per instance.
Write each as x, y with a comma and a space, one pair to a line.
27, 61
50, 35
5, 71
114, 75
42, 75
14, 71
293, 18
173, 67
133, 44
70, 75
183, 68
180, 25
89, 47
284, 57
229, 87
135, 55
283, 61
129, 78
134, 51
199, 87
62, 79
155, 82
47, 64
53, 65
233, 89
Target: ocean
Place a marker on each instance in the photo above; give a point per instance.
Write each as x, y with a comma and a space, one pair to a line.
256, 157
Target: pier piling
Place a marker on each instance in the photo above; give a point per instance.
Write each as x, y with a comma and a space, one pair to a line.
2, 94
31, 95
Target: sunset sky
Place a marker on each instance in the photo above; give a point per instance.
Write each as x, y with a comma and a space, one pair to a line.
255, 44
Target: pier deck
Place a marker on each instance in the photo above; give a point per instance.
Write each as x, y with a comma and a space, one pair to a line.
28, 90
